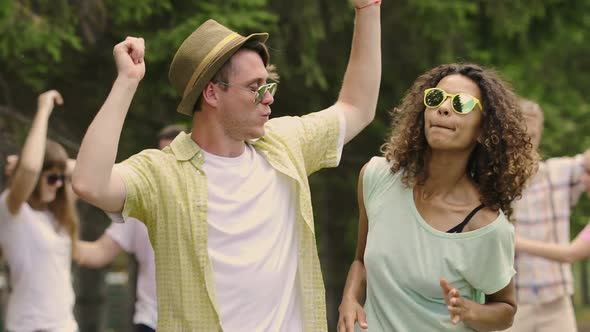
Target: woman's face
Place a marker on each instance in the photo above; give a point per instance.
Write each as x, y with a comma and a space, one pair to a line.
49, 183
448, 131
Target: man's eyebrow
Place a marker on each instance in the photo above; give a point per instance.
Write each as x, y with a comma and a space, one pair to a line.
257, 80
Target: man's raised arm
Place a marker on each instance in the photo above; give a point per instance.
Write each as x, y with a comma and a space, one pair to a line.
93, 178
360, 88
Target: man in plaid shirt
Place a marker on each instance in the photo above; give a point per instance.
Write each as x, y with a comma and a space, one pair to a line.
544, 287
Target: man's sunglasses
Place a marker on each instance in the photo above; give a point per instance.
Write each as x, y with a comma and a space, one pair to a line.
461, 103
258, 93
53, 178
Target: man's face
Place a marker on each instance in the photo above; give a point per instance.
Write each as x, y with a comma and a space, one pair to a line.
240, 117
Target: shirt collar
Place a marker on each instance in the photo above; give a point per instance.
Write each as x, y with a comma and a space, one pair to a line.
184, 148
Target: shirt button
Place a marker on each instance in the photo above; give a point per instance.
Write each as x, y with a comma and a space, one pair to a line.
199, 155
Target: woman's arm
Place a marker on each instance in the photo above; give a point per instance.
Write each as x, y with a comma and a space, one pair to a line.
97, 254
27, 171
569, 253
350, 308
496, 314
70, 165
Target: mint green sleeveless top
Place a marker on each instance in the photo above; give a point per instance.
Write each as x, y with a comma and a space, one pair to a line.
405, 259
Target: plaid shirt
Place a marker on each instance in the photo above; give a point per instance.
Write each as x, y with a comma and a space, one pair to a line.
543, 214
167, 190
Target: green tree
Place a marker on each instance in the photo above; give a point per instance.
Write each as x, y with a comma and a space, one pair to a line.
540, 47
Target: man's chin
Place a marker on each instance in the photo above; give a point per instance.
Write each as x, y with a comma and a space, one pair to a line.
256, 135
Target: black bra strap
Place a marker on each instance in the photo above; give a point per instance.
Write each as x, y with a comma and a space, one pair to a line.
459, 228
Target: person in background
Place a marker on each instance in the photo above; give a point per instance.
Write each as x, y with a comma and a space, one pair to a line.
131, 237
168, 134
38, 230
572, 252
544, 287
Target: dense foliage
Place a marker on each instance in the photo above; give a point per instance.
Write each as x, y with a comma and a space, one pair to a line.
539, 46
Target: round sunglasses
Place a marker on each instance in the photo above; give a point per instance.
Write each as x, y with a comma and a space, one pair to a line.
53, 178
258, 93
461, 103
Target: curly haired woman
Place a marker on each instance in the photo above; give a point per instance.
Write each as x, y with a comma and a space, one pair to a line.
435, 248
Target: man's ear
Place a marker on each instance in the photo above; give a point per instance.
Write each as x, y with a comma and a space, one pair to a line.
210, 95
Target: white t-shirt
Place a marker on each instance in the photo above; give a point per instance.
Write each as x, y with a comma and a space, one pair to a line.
133, 237
252, 242
39, 259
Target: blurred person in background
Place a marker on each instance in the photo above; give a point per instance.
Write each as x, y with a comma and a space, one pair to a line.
545, 286
131, 237
38, 230
168, 134
575, 251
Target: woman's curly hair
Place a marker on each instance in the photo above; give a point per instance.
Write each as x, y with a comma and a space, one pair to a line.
503, 158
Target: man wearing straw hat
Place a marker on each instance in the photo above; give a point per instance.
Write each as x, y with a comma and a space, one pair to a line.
228, 207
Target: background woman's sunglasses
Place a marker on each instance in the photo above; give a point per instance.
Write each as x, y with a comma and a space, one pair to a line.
53, 178
462, 103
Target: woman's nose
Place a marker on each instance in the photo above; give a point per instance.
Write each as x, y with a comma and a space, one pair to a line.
445, 107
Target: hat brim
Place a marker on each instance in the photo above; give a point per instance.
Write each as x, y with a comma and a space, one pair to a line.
187, 104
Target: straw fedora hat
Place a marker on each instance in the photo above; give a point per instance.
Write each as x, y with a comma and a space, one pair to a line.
199, 58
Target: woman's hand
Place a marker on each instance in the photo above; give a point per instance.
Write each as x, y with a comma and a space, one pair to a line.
11, 162
47, 100
351, 312
456, 305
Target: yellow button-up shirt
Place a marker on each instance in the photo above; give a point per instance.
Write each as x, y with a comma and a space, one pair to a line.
167, 190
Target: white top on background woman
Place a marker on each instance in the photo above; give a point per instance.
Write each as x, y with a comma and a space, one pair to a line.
37, 223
